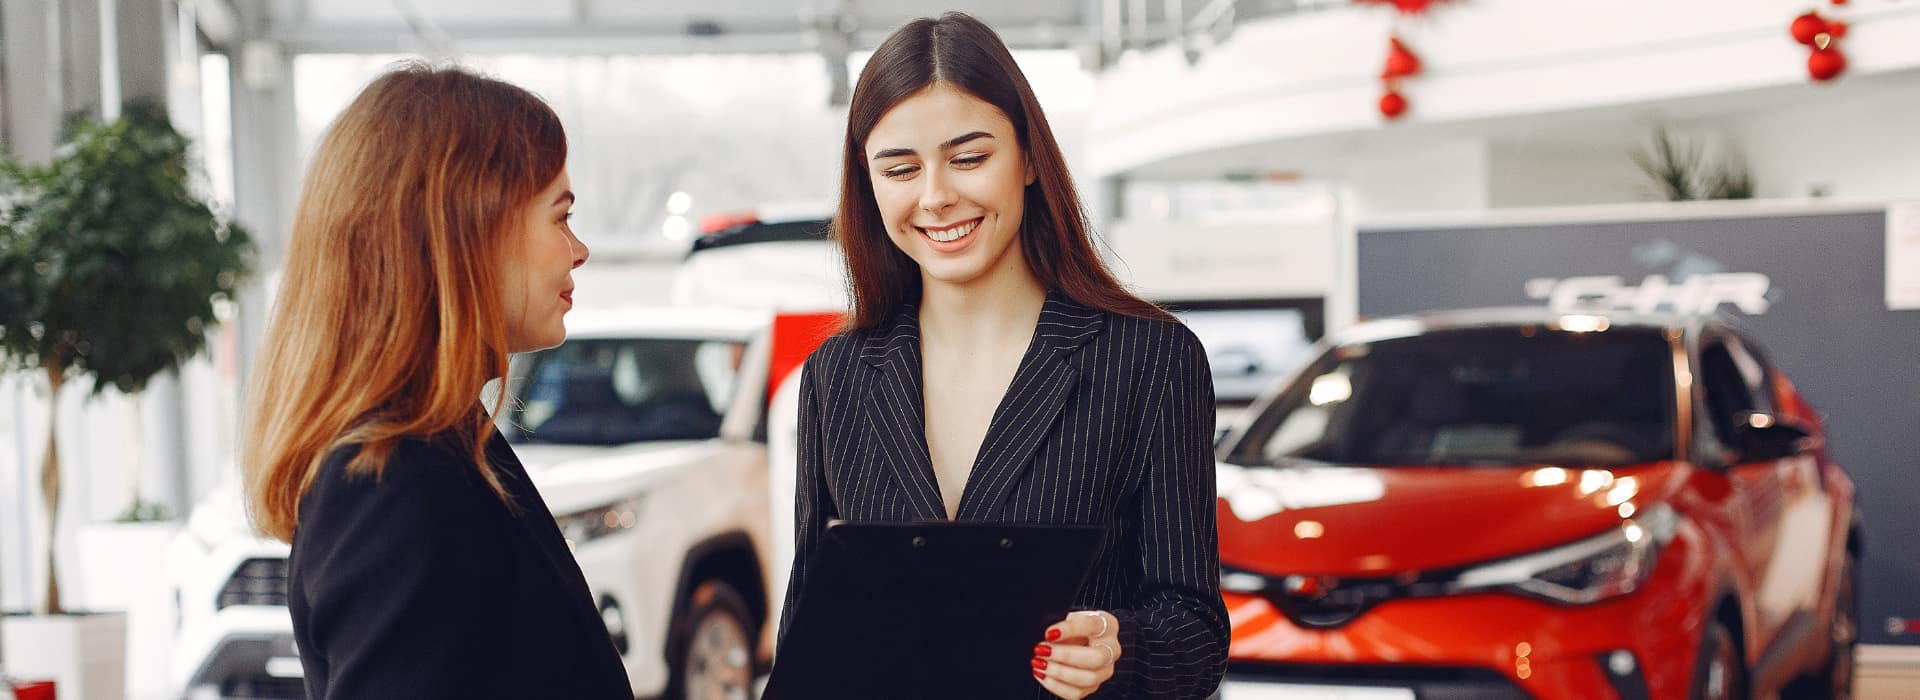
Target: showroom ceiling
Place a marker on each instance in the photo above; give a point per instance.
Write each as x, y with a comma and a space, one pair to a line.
717, 26
659, 26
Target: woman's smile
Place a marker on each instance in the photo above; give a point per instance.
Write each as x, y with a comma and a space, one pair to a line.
951, 238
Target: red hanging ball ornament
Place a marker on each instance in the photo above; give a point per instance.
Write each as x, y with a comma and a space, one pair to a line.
1826, 64
1392, 105
1807, 26
1839, 2
1837, 30
1401, 62
1411, 7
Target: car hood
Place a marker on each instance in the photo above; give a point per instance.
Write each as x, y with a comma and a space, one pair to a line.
577, 477
221, 519
1377, 521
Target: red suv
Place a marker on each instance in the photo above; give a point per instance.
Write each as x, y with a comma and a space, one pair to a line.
1520, 504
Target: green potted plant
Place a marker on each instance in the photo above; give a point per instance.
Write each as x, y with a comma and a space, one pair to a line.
110, 267
1679, 172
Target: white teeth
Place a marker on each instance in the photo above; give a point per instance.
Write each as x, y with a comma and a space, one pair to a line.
952, 234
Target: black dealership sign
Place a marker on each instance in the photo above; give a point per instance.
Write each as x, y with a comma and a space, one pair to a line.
1809, 284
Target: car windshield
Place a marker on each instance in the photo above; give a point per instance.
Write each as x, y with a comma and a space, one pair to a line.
1522, 395
617, 391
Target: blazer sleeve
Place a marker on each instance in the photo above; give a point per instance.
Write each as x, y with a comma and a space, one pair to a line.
1174, 640
405, 577
812, 503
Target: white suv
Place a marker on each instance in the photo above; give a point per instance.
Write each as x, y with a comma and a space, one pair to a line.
645, 434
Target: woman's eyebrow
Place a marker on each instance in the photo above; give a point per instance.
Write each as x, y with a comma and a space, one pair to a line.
949, 145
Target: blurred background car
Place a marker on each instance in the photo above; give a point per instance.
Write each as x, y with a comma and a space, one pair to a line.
1502, 504
645, 434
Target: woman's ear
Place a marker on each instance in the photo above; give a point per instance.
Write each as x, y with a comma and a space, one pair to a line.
1027, 167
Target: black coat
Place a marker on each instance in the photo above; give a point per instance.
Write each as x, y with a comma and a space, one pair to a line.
1108, 421
423, 584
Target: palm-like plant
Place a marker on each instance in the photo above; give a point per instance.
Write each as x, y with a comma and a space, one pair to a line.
1680, 172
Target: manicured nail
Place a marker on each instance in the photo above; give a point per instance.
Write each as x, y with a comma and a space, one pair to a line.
1053, 635
1039, 664
1039, 675
1043, 650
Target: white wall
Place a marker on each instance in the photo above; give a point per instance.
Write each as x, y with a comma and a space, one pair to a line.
1562, 174
1857, 144
1864, 148
1444, 175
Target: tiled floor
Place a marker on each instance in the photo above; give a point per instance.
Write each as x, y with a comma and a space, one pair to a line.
1888, 673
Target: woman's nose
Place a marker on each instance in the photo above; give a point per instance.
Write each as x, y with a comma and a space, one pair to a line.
936, 193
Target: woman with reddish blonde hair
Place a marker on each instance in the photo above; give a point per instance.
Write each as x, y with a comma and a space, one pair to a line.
431, 240
993, 370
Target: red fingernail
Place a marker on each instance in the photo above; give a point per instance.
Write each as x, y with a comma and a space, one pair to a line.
1040, 664
1053, 635
1043, 650
1039, 675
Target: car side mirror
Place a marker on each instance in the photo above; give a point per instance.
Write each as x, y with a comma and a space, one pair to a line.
1764, 437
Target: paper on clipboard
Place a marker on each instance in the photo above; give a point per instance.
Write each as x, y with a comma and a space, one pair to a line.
1903, 256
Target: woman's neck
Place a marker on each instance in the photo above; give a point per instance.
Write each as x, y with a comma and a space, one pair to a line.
993, 312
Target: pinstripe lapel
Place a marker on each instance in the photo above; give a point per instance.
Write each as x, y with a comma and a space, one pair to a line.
895, 411
1025, 416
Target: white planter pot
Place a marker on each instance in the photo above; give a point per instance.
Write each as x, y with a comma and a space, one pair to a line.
119, 563
122, 567
84, 655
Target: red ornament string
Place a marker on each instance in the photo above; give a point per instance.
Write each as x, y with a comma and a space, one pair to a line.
1411, 7
1822, 36
1402, 62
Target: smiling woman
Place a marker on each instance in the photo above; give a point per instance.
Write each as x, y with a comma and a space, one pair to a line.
431, 241
992, 370
953, 205
535, 274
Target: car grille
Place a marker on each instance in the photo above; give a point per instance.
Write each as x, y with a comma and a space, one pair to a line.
1427, 682
263, 688
256, 582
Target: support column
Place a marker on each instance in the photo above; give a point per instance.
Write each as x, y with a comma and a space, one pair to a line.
263, 158
265, 164
84, 74
144, 34
1105, 200
34, 95
141, 56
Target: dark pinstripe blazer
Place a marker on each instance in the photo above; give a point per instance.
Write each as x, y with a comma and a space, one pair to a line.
1108, 421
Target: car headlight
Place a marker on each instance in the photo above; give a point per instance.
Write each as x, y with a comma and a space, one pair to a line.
616, 624
1234, 580
1611, 564
594, 523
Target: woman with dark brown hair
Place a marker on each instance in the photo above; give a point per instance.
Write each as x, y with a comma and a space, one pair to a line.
993, 370
431, 240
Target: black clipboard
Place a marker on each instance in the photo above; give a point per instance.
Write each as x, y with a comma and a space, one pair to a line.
928, 609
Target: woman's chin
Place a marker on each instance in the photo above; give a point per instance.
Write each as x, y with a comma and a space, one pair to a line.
539, 342
953, 273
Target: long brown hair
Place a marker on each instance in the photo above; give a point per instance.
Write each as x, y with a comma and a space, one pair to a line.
389, 318
962, 52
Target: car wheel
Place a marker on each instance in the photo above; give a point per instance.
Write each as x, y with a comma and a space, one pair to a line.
714, 660
1835, 681
1719, 673
1845, 634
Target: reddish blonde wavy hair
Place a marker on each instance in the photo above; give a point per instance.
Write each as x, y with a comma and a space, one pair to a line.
389, 318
